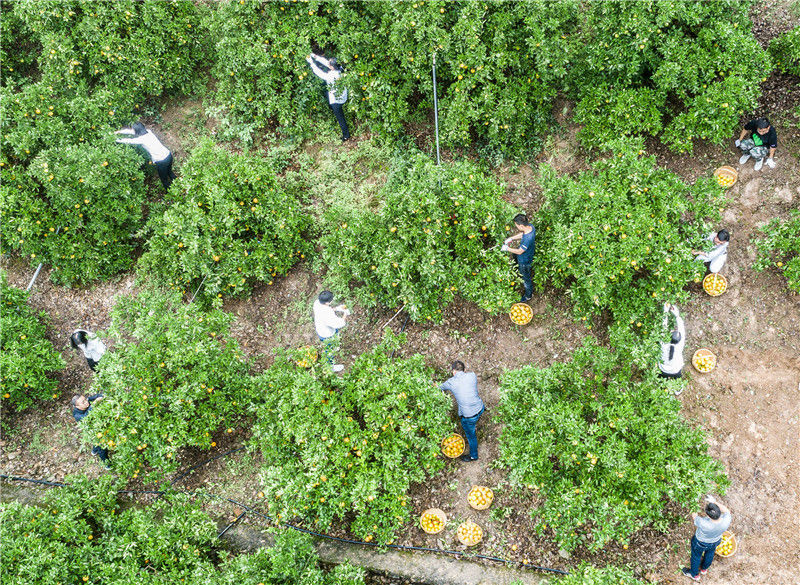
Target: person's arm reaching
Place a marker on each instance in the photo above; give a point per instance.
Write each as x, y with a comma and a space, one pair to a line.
134, 140
128, 131
326, 75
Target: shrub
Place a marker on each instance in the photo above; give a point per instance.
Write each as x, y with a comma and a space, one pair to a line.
785, 50
75, 208
696, 66
780, 248
85, 533
618, 239
82, 534
293, 559
605, 448
337, 447
609, 575
425, 243
172, 380
497, 65
27, 358
229, 225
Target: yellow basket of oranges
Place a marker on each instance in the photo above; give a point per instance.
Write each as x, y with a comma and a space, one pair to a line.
728, 545
469, 533
480, 497
521, 313
453, 446
433, 520
726, 176
715, 284
704, 360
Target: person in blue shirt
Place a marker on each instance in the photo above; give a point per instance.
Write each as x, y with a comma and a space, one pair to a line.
464, 386
524, 254
81, 405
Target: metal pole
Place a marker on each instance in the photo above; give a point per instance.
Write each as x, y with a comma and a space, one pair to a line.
436, 112
39, 268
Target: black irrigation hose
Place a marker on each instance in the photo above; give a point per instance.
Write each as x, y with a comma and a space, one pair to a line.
232, 524
460, 555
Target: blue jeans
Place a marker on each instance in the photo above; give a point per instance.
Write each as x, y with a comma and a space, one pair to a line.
468, 424
328, 346
525, 273
702, 555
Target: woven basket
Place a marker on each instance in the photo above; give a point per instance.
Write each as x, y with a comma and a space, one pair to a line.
435, 512
727, 173
460, 452
526, 309
480, 506
466, 542
703, 352
712, 278
728, 536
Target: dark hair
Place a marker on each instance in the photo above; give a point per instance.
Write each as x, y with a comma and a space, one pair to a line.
325, 297
78, 338
762, 123
713, 511
457, 365
335, 64
724, 235
139, 129
676, 336
521, 219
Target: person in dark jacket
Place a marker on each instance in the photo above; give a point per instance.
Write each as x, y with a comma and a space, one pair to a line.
758, 140
524, 254
81, 405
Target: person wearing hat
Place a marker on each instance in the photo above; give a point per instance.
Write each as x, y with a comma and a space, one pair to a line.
330, 71
758, 140
159, 154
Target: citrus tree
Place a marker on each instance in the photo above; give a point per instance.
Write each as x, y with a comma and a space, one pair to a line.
87, 533
27, 358
603, 446
779, 248
685, 70
348, 447
172, 379
618, 240
229, 224
425, 243
75, 208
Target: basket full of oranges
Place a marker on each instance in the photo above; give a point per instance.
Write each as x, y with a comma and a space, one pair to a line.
715, 284
433, 520
726, 176
521, 313
469, 533
480, 497
704, 360
453, 446
727, 545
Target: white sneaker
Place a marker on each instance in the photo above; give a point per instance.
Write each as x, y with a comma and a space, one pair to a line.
770, 163
744, 158
759, 164
337, 367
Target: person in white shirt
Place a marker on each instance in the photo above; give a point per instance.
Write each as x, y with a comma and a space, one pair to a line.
672, 352
329, 71
93, 349
159, 154
715, 259
327, 322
